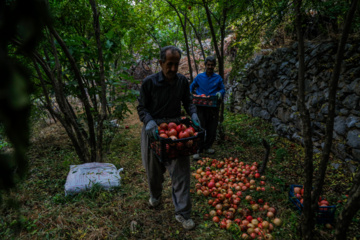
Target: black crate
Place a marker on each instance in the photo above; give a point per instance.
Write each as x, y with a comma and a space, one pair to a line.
166, 149
211, 101
324, 214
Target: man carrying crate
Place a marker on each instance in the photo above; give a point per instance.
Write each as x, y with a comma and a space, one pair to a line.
210, 84
160, 99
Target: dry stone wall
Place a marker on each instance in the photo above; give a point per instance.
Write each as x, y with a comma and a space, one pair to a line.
267, 88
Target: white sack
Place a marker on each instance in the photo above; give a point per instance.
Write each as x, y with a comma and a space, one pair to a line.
82, 177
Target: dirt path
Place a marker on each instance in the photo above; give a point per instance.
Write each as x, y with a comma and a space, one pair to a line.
133, 118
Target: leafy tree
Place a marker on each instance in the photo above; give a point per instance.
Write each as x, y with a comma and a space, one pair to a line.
308, 215
311, 196
78, 64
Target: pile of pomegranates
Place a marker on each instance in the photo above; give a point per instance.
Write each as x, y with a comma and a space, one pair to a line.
228, 184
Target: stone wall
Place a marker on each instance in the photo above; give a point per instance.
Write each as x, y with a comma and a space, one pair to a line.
267, 88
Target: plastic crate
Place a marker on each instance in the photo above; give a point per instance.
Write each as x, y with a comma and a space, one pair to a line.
293, 199
166, 149
211, 101
324, 214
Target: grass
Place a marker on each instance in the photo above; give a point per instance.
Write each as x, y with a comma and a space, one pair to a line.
38, 208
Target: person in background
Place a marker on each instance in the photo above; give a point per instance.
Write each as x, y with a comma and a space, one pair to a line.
161, 96
210, 84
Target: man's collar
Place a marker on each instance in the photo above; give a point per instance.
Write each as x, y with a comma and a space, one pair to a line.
162, 77
210, 75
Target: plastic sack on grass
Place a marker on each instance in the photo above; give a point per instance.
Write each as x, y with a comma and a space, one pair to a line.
83, 177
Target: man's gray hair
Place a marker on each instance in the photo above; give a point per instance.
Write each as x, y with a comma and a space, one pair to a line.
210, 59
163, 51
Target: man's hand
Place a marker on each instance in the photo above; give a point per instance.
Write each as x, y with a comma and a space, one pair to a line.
151, 128
218, 94
195, 119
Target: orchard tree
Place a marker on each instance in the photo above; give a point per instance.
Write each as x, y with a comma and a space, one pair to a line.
76, 62
311, 196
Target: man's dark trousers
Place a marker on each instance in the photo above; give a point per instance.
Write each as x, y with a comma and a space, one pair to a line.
209, 117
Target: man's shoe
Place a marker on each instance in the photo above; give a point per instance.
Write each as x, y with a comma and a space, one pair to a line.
186, 223
210, 151
154, 202
196, 156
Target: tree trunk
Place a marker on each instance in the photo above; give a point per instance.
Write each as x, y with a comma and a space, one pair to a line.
222, 44
332, 101
103, 114
193, 54
183, 25
213, 36
187, 47
83, 95
220, 57
80, 145
68, 119
222, 71
198, 37
308, 223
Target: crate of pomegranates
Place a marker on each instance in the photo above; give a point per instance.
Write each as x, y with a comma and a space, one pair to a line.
205, 101
177, 139
324, 214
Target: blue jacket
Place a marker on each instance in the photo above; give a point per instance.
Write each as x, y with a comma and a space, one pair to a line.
208, 85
